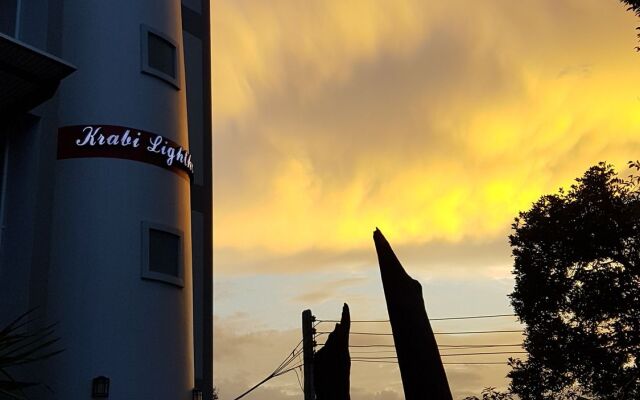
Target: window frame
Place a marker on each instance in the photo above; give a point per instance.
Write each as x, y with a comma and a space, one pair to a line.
145, 68
146, 272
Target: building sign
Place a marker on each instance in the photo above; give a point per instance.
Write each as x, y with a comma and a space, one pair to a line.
85, 141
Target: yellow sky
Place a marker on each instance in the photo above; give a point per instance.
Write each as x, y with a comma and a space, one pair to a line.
432, 121
436, 121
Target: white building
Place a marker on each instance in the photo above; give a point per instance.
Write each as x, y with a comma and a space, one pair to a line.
106, 191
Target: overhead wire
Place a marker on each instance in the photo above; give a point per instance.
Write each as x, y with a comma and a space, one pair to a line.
297, 376
443, 346
479, 345
444, 363
447, 355
479, 332
280, 370
293, 357
483, 353
288, 370
430, 319
435, 333
289, 358
295, 353
299, 381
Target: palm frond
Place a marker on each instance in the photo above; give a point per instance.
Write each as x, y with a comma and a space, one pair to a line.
21, 345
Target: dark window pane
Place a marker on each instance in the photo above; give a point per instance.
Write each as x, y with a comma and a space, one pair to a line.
162, 55
164, 252
8, 16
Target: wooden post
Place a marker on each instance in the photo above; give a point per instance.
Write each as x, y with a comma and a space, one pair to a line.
307, 354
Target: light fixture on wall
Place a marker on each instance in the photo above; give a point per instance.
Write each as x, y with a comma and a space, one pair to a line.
100, 387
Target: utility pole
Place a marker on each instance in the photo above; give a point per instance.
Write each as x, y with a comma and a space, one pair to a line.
307, 353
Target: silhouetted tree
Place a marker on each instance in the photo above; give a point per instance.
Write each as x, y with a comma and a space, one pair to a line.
633, 5
577, 271
491, 393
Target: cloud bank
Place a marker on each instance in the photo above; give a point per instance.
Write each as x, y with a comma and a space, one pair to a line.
435, 121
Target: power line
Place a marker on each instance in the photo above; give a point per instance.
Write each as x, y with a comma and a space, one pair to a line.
482, 353
474, 363
373, 358
381, 362
297, 376
473, 346
473, 317
444, 363
447, 355
255, 386
442, 346
299, 382
430, 319
278, 371
371, 334
320, 321
289, 370
435, 333
477, 332
287, 361
372, 352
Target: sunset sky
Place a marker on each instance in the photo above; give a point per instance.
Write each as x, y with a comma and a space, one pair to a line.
436, 121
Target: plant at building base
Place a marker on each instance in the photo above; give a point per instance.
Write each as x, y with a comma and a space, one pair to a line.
19, 346
577, 289
215, 393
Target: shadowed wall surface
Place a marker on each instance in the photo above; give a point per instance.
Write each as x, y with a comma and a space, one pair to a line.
421, 368
332, 363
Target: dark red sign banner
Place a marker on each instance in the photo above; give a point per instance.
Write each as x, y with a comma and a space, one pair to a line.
110, 141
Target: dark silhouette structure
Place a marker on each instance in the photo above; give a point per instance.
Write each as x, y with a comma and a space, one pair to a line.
576, 265
423, 376
332, 363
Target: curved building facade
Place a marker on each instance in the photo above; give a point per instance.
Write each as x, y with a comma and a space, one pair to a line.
114, 242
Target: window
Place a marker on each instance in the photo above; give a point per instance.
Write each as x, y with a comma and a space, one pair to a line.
159, 56
162, 254
162, 55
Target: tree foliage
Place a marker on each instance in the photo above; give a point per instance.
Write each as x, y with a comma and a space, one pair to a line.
19, 346
633, 5
577, 272
491, 393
